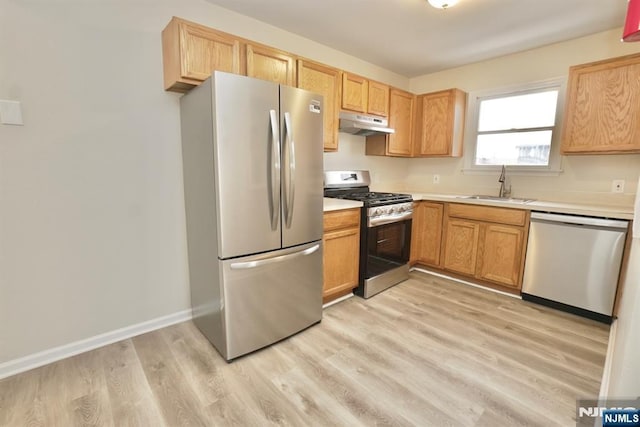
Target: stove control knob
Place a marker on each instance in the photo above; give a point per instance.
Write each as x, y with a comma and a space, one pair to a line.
392, 211
377, 212
401, 209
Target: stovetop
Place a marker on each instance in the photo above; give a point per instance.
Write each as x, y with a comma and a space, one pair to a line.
369, 198
354, 185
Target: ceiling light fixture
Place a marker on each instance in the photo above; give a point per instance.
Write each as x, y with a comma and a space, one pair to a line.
442, 4
631, 31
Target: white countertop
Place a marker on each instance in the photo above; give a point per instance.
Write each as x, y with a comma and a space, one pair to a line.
338, 204
617, 212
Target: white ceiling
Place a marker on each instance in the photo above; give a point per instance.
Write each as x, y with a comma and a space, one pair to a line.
412, 38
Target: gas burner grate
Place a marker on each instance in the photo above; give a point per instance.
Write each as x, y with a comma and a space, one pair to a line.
370, 198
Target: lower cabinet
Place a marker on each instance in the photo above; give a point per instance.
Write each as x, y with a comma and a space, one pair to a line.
341, 259
486, 243
426, 233
461, 246
501, 254
480, 242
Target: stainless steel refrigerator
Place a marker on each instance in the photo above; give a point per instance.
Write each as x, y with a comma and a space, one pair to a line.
252, 158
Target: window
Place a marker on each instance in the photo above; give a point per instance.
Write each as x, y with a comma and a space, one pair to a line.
517, 127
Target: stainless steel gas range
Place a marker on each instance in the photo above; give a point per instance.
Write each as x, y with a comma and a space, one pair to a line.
385, 234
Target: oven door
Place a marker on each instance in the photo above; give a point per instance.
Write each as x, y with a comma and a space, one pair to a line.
388, 247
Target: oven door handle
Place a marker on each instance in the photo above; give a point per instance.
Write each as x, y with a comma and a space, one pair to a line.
376, 221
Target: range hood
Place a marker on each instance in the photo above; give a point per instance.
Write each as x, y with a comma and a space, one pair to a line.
363, 125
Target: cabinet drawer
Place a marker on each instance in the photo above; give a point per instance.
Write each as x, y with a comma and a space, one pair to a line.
341, 219
488, 214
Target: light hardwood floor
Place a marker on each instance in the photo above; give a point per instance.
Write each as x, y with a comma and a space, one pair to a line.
426, 352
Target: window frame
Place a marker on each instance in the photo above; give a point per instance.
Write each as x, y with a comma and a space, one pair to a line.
473, 115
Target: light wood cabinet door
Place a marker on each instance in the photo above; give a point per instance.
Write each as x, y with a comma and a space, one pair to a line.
327, 82
426, 233
500, 254
495, 254
191, 52
378, 99
461, 246
271, 64
401, 120
341, 253
602, 113
355, 93
440, 123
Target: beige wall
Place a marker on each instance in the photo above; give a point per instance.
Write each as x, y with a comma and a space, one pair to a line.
585, 178
625, 360
92, 228
386, 173
527, 66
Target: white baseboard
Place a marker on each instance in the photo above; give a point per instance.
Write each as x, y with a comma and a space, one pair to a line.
606, 372
464, 282
45, 357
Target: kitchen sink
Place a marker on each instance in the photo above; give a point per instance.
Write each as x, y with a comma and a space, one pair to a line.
497, 199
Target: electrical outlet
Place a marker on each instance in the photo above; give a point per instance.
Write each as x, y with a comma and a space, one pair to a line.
617, 186
436, 179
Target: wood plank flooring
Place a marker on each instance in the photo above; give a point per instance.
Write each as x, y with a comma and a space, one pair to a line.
426, 352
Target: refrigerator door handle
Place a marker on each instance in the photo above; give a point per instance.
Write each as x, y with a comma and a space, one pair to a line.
291, 181
266, 261
275, 169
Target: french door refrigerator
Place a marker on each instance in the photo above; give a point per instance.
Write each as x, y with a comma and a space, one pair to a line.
252, 157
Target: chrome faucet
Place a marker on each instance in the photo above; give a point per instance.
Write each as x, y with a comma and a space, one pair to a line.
504, 192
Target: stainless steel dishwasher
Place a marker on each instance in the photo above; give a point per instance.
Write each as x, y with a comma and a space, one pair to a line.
573, 263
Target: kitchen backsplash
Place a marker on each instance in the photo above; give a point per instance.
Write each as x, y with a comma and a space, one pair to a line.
584, 179
387, 172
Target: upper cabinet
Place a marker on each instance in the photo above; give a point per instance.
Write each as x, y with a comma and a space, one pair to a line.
398, 144
271, 64
401, 120
364, 96
602, 113
327, 82
378, 99
355, 92
190, 52
440, 123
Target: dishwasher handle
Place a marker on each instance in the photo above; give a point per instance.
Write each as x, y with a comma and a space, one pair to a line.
579, 220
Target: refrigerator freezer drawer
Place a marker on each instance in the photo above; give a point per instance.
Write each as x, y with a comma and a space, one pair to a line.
269, 297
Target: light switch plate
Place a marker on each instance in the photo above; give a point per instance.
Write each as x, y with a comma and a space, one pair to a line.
10, 112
